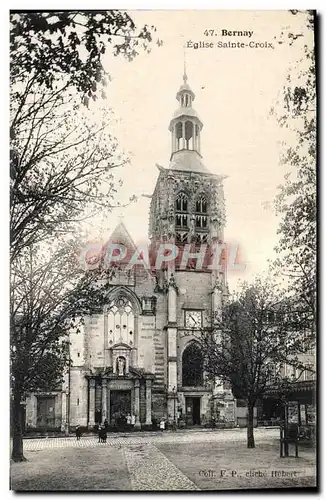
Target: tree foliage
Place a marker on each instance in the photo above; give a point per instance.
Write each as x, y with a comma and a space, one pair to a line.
50, 294
62, 165
61, 161
71, 45
253, 337
296, 200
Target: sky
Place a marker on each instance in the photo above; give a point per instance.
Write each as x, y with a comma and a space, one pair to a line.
235, 90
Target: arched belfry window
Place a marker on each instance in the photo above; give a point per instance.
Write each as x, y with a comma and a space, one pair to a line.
181, 203
121, 322
201, 205
189, 135
178, 136
186, 100
181, 211
181, 218
196, 139
201, 213
192, 366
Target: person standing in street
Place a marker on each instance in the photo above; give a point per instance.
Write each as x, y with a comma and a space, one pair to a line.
162, 424
78, 432
104, 434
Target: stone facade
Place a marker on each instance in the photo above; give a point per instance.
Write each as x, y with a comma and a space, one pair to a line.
130, 358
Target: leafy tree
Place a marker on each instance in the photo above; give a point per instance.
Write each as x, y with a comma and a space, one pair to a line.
71, 45
253, 337
62, 166
50, 292
61, 163
61, 172
296, 200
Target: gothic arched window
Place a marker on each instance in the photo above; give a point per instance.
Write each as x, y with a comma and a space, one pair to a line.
192, 366
201, 205
181, 218
201, 213
189, 135
181, 211
178, 135
121, 322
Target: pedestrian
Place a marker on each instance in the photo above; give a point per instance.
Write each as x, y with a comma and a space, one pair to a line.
78, 432
162, 424
103, 434
99, 432
133, 420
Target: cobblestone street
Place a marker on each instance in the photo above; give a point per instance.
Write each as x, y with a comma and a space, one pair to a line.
238, 435
175, 461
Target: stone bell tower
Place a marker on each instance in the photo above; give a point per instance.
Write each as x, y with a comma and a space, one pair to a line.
187, 210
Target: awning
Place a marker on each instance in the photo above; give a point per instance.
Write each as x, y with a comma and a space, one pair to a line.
303, 391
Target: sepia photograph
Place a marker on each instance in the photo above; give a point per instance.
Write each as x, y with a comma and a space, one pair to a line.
163, 250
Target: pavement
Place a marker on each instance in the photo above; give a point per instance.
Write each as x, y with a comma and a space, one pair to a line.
161, 461
114, 439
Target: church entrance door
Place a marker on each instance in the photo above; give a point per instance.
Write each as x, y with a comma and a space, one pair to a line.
120, 406
193, 411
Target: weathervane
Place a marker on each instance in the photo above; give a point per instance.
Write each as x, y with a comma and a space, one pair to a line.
185, 78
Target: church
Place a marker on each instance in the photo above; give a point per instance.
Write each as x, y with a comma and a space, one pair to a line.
139, 356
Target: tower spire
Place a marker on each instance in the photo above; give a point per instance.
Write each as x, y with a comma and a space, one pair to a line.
185, 78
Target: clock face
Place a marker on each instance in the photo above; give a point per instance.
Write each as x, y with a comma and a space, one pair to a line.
193, 319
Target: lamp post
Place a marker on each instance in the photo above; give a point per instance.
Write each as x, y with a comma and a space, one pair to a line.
174, 390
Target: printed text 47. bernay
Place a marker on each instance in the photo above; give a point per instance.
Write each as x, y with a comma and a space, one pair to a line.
225, 32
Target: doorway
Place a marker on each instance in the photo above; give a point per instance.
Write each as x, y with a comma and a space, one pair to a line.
45, 412
193, 410
120, 404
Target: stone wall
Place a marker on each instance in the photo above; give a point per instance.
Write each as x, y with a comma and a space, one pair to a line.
31, 409
78, 397
77, 345
194, 293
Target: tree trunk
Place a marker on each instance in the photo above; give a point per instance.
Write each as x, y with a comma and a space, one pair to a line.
250, 426
17, 454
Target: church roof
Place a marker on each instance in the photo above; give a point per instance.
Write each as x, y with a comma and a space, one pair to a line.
185, 111
185, 87
187, 161
122, 235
